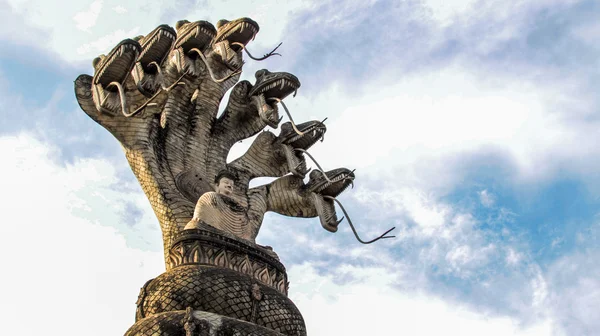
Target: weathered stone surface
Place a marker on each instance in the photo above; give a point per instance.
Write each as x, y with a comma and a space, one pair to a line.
206, 324
224, 292
208, 246
159, 96
221, 275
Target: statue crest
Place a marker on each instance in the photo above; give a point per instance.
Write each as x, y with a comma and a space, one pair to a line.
159, 96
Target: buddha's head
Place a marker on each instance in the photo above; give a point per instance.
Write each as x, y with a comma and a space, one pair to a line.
224, 183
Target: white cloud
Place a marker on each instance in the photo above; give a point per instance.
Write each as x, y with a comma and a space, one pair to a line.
105, 43
85, 20
445, 236
573, 292
407, 130
587, 33
57, 247
512, 256
540, 290
75, 23
61, 211
446, 12
410, 131
120, 9
486, 198
399, 132
370, 305
419, 206
15, 28
73, 203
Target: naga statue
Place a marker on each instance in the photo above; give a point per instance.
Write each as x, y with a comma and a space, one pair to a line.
159, 96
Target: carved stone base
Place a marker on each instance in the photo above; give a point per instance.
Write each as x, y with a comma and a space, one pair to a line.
209, 246
224, 282
202, 324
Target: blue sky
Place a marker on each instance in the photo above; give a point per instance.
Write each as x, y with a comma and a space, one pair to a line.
473, 126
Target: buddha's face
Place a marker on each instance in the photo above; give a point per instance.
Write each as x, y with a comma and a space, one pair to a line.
225, 186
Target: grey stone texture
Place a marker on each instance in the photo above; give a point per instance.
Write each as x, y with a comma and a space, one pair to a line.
159, 96
212, 285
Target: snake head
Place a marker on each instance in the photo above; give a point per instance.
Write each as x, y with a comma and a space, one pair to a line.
231, 36
113, 69
155, 48
198, 34
312, 131
269, 88
331, 183
291, 141
192, 38
241, 30
226, 55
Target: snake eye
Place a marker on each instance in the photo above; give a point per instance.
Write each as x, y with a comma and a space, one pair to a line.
260, 73
180, 23
97, 60
221, 23
286, 127
314, 175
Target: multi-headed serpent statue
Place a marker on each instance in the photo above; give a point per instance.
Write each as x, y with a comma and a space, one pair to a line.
159, 95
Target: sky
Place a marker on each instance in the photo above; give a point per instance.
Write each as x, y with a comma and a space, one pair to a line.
472, 126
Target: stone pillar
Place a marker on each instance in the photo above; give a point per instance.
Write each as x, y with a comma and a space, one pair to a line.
217, 284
